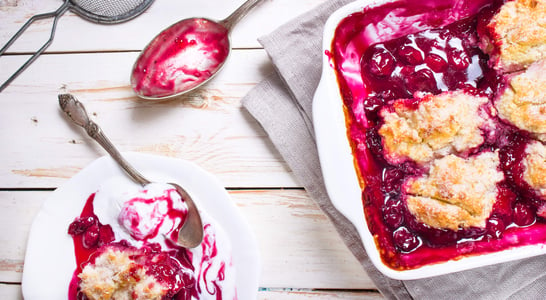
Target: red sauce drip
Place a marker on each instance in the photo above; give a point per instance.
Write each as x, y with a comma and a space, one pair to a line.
391, 51
209, 252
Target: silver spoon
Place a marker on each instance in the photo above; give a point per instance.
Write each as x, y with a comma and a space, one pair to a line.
184, 56
191, 232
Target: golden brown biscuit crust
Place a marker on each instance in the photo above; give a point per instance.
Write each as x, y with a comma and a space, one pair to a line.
447, 123
534, 164
517, 35
114, 275
457, 192
523, 102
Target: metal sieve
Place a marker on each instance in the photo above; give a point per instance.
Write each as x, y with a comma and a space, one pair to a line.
98, 11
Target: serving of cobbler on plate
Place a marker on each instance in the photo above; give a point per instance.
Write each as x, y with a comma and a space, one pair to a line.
444, 105
102, 236
124, 247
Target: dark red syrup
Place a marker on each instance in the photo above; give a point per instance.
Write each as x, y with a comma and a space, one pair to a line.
172, 268
393, 51
180, 58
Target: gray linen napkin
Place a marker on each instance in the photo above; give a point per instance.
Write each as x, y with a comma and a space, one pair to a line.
282, 104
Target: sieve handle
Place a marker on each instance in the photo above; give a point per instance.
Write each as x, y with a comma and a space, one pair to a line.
56, 14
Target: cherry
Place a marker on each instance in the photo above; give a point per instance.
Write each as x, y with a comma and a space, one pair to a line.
436, 63
421, 81
380, 61
458, 59
372, 105
495, 227
373, 142
392, 178
91, 236
523, 214
393, 214
80, 225
405, 240
76, 228
410, 55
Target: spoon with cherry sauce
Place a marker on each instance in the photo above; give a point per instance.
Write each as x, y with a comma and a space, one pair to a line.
190, 234
184, 56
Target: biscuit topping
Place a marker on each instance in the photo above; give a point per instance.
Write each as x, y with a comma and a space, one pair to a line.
534, 164
442, 124
457, 192
122, 274
517, 35
523, 102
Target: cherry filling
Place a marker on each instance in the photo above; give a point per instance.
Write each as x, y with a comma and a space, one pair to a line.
429, 61
432, 60
91, 238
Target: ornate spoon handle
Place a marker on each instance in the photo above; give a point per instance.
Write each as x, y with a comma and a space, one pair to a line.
77, 113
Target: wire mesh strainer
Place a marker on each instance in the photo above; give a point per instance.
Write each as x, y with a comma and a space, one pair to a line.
98, 11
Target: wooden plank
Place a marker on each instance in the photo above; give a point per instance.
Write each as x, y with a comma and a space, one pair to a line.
313, 294
299, 247
13, 292
17, 209
76, 34
10, 292
208, 127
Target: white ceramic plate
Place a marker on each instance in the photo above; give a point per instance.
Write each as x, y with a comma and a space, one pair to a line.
340, 176
50, 261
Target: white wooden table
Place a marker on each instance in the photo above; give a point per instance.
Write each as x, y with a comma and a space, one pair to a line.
302, 255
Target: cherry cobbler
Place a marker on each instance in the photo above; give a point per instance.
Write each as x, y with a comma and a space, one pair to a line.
124, 248
445, 105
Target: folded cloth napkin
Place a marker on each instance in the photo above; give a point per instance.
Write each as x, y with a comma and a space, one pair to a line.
282, 104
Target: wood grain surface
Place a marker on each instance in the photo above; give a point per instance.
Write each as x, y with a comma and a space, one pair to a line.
302, 255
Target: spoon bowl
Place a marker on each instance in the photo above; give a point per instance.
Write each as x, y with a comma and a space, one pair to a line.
190, 233
181, 58
184, 56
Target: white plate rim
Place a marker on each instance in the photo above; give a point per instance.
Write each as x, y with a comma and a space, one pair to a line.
210, 197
